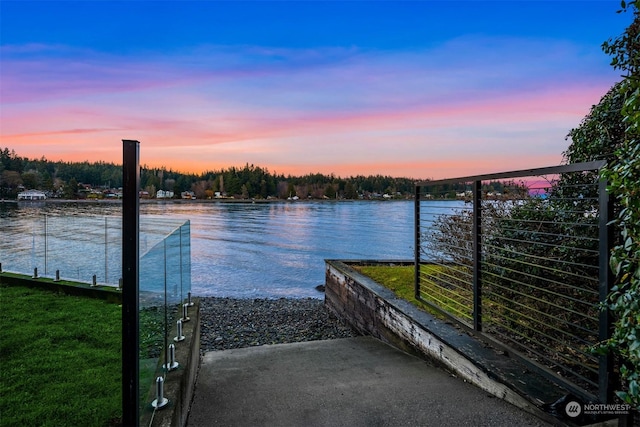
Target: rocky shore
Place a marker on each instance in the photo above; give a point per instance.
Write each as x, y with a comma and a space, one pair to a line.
235, 323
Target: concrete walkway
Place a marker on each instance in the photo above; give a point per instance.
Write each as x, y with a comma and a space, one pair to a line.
344, 382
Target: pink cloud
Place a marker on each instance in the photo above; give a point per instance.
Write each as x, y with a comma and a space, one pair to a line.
331, 110
444, 133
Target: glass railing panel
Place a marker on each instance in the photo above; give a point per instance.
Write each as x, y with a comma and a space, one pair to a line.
185, 258
164, 276
22, 245
81, 247
76, 248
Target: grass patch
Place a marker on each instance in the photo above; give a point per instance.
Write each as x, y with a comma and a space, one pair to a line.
400, 280
397, 278
64, 352
61, 359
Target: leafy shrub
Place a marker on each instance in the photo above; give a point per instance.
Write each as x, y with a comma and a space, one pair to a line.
623, 175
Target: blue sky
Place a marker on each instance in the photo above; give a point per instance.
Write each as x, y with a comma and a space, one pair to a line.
421, 89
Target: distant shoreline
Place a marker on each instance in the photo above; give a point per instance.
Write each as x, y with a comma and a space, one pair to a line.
185, 201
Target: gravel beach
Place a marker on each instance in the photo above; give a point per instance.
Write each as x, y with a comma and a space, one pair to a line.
235, 323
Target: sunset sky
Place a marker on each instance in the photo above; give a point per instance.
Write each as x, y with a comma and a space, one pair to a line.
419, 89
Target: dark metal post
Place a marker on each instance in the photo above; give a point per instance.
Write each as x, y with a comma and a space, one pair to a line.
605, 371
477, 255
130, 283
416, 264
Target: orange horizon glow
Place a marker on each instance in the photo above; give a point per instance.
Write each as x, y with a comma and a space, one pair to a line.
426, 142
430, 169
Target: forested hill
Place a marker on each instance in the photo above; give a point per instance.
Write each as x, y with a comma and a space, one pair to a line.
72, 180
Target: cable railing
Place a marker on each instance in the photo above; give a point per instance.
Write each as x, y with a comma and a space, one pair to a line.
521, 259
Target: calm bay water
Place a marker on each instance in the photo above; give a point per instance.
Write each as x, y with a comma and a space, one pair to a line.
248, 250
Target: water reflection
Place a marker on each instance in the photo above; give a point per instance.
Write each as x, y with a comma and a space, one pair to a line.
241, 249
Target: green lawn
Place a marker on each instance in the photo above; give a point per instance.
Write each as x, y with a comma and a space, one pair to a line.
61, 359
400, 280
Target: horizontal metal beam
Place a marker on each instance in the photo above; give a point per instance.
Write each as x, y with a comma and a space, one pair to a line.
573, 167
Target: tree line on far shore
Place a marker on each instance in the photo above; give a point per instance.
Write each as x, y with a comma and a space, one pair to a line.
72, 180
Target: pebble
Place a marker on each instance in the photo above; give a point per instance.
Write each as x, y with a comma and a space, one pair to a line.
228, 323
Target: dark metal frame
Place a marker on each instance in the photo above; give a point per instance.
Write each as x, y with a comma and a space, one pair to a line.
606, 372
130, 283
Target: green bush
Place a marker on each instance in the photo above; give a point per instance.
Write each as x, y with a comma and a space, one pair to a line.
623, 175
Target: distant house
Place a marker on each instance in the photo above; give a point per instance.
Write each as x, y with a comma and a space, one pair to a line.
111, 194
464, 195
162, 194
32, 195
188, 195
